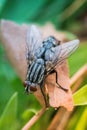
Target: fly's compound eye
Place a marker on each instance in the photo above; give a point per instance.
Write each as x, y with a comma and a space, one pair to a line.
25, 84
33, 88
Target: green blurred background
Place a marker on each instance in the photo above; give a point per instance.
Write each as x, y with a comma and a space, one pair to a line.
67, 15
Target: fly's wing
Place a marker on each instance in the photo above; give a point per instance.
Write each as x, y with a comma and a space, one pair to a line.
60, 53
33, 42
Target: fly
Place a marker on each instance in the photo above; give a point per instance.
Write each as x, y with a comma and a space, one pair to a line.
42, 57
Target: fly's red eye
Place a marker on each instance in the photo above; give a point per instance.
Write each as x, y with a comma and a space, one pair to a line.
33, 89
25, 84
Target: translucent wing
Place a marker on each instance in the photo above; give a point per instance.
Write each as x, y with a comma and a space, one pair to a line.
61, 52
33, 42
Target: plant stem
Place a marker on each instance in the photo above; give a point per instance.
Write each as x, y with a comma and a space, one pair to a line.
80, 73
59, 122
34, 119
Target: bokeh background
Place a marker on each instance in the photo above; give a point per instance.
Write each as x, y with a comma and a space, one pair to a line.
70, 16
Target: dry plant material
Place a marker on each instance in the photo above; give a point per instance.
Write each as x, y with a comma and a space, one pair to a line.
13, 38
62, 116
58, 97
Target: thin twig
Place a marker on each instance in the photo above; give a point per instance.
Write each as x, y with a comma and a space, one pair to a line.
56, 120
60, 124
67, 114
77, 84
34, 119
80, 73
64, 120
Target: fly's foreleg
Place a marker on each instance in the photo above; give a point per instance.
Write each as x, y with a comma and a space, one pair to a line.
44, 95
54, 71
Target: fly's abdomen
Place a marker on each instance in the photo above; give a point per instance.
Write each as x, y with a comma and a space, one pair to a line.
36, 71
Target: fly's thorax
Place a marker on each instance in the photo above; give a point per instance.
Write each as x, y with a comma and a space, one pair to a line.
40, 61
35, 73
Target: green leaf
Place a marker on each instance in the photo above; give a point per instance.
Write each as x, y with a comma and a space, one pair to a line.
29, 113
8, 117
78, 59
70, 36
21, 10
72, 124
2, 4
80, 97
82, 122
52, 9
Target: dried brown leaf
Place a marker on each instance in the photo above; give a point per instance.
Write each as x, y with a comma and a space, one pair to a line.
13, 39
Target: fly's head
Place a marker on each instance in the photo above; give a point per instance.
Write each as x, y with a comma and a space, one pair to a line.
29, 87
51, 41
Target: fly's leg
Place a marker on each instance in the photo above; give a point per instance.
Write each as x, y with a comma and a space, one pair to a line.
27, 91
44, 96
54, 71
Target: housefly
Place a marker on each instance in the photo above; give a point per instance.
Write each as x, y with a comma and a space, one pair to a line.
42, 58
